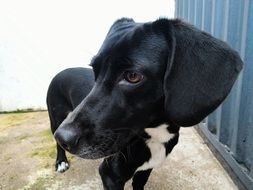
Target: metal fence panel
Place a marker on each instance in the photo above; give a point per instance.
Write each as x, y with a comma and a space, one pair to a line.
230, 127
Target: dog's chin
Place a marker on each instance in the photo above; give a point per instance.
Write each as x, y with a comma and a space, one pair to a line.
95, 154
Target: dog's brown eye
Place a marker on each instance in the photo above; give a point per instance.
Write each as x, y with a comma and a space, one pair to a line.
133, 77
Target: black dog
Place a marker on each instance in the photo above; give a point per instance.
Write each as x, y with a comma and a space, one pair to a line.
149, 79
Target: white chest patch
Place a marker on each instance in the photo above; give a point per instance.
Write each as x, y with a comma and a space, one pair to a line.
159, 136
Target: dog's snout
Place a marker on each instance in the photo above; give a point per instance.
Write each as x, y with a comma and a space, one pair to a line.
67, 138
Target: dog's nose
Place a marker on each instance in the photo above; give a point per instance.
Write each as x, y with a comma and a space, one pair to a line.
67, 138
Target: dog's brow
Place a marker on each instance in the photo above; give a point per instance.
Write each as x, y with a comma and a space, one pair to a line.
138, 63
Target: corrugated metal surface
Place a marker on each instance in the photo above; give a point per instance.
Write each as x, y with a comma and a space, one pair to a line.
230, 127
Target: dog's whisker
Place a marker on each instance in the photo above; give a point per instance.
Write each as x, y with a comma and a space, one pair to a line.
123, 155
129, 152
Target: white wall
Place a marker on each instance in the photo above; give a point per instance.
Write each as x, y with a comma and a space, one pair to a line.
40, 38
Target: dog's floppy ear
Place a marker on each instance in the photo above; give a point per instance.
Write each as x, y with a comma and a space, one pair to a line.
120, 25
201, 71
118, 28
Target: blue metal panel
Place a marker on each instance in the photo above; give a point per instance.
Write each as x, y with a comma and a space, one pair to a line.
198, 13
185, 9
191, 13
230, 127
246, 106
207, 19
230, 115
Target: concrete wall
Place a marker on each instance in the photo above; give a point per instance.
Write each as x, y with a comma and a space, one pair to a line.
40, 38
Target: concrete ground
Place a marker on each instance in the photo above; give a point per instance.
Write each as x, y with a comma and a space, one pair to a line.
28, 154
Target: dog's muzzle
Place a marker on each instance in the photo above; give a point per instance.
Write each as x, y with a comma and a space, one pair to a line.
87, 144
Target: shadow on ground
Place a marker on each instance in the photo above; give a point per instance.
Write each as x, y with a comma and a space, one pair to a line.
28, 155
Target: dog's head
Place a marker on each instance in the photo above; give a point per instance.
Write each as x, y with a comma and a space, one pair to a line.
147, 74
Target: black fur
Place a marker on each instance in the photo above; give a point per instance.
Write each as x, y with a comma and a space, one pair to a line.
66, 91
186, 75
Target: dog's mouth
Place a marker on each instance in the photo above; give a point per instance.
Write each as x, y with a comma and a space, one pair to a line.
104, 148
94, 154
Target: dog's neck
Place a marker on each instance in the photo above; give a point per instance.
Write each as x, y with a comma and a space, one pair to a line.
158, 138
160, 133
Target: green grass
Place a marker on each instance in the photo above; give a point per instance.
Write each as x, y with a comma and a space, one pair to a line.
13, 119
45, 151
22, 111
7, 157
23, 137
47, 147
39, 184
47, 134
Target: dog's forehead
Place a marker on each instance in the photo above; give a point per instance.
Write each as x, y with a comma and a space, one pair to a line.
120, 36
134, 41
